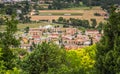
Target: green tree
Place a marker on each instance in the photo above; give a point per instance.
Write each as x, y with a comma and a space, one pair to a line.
81, 61
94, 23
60, 4
7, 41
100, 26
10, 10
45, 58
26, 7
106, 4
49, 7
108, 49
60, 19
2, 67
14, 71
26, 29
85, 23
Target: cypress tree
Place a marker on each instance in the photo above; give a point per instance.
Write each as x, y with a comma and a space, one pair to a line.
108, 49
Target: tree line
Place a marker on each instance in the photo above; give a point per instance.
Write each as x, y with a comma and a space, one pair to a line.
92, 24
60, 4
19, 9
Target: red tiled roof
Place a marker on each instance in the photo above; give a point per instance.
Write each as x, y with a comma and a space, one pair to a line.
36, 36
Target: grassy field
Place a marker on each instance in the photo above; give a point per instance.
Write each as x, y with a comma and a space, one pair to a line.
31, 25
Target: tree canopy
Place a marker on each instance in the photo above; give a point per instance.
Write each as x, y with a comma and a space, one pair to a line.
45, 58
8, 40
108, 49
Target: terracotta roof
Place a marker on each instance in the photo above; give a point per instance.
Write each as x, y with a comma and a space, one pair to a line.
36, 36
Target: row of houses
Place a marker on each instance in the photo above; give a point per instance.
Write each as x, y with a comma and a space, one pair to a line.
70, 38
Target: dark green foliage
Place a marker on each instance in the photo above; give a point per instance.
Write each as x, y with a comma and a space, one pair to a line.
74, 22
49, 7
36, 6
60, 19
45, 58
100, 27
24, 8
21, 52
26, 29
10, 10
25, 19
94, 23
34, 0
91, 2
108, 49
60, 4
57, 5
97, 14
105, 4
53, 21
78, 22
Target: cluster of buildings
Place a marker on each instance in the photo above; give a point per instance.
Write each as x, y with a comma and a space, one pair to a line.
70, 38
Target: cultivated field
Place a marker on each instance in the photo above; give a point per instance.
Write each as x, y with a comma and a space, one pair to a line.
78, 14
